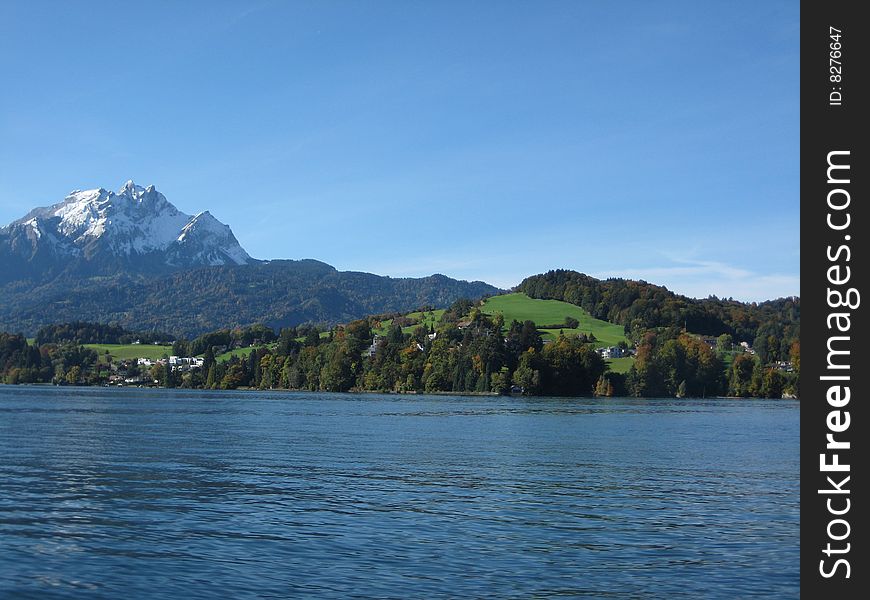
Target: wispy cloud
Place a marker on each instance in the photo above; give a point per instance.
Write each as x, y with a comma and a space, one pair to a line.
696, 278
701, 278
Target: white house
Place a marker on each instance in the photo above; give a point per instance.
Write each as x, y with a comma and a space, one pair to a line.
610, 352
184, 363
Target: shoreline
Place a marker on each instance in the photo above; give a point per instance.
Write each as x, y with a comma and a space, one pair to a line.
392, 393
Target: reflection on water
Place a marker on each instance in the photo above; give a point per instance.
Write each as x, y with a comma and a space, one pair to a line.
173, 494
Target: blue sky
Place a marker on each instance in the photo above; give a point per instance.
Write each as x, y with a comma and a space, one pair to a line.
482, 140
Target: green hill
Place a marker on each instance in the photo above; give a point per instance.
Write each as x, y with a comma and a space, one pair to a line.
553, 312
129, 351
642, 306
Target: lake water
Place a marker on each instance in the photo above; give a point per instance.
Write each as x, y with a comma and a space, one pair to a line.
183, 494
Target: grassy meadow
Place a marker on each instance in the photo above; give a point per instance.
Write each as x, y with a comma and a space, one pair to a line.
620, 365
427, 318
128, 351
242, 352
553, 312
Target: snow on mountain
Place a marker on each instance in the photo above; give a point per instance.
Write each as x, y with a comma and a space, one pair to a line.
132, 223
209, 242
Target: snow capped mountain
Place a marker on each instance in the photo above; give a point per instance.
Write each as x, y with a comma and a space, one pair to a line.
134, 225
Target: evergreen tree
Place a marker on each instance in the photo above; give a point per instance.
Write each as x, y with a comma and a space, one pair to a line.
208, 358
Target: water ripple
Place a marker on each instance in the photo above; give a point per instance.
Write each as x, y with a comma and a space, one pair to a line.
167, 494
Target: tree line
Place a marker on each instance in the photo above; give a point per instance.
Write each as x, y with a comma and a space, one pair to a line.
480, 355
79, 332
22, 362
467, 351
671, 363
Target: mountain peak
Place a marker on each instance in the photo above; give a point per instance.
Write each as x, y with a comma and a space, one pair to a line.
136, 192
135, 224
